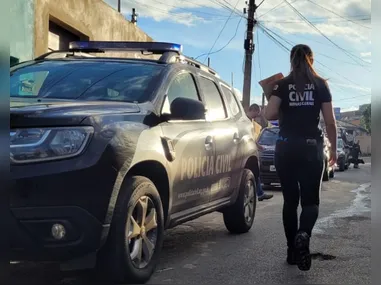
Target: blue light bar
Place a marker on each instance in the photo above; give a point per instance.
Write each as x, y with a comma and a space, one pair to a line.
155, 47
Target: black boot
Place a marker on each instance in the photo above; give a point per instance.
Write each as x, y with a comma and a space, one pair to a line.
303, 255
291, 256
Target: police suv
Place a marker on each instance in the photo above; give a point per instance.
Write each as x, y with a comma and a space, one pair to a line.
108, 152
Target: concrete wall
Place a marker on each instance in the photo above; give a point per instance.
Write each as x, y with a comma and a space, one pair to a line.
91, 18
22, 29
365, 144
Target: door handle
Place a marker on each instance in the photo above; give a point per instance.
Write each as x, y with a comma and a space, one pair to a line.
208, 143
236, 138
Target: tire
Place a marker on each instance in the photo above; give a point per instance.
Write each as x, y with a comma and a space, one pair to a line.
332, 174
114, 260
235, 219
326, 172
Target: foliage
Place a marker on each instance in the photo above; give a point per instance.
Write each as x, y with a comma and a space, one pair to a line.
366, 118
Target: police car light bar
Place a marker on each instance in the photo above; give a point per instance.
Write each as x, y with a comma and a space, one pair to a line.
154, 47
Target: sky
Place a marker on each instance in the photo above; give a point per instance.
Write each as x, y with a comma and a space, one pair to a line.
338, 32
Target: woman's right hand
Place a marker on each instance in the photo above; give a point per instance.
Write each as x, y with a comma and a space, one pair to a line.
333, 157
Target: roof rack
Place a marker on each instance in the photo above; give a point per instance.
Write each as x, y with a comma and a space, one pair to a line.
70, 52
170, 52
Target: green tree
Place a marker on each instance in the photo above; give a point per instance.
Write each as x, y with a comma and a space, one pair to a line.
366, 118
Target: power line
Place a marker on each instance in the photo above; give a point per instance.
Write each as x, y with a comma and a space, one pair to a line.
276, 7
288, 50
229, 8
315, 21
235, 34
223, 28
291, 43
333, 12
317, 29
259, 58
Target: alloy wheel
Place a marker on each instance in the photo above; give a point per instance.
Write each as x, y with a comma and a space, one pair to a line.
141, 232
249, 201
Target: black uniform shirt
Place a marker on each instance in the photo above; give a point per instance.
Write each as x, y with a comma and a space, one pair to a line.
300, 113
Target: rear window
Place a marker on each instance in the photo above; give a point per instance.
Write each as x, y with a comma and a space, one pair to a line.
269, 136
92, 80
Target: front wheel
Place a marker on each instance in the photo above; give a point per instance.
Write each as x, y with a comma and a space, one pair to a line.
239, 217
136, 235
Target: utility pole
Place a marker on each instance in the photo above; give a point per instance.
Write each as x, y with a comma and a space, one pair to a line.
232, 80
249, 50
263, 100
119, 6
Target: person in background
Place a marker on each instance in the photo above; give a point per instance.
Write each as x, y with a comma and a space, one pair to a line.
257, 129
297, 101
255, 114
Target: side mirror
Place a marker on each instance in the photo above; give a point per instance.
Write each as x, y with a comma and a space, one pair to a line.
187, 109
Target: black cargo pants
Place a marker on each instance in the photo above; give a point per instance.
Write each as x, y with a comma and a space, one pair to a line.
299, 165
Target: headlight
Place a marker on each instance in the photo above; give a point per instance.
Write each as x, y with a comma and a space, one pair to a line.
42, 144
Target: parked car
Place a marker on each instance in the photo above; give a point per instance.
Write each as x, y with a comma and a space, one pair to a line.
267, 141
343, 155
107, 153
329, 171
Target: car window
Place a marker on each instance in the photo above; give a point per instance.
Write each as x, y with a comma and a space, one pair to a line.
182, 86
340, 144
269, 136
84, 80
213, 100
231, 101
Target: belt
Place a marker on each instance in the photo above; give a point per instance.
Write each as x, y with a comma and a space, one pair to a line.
309, 141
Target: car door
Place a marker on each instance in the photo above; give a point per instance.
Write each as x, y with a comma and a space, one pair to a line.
226, 139
192, 149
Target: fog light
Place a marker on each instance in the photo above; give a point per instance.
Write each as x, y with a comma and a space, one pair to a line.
58, 231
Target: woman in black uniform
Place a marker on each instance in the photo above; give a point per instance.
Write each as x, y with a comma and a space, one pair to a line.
296, 101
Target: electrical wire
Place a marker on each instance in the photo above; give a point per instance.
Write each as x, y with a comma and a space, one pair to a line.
337, 14
220, 33
276, 7
291, 43
259, 57
286, 49
320, 32
316, 21
238, 13
235, 34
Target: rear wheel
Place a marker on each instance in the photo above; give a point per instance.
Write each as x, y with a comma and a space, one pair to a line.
332, 173
136, 235
239, 217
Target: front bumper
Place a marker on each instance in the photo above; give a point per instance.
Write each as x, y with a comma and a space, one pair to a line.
31, 236
74, 193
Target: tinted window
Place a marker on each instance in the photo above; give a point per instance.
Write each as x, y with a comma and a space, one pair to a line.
111, 81
340, 144
269, 136
213, 99
231, 101
182, 86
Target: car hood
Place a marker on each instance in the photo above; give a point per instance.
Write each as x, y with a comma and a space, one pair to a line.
50, 112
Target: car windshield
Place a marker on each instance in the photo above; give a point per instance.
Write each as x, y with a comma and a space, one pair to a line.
84, 80
269, 136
